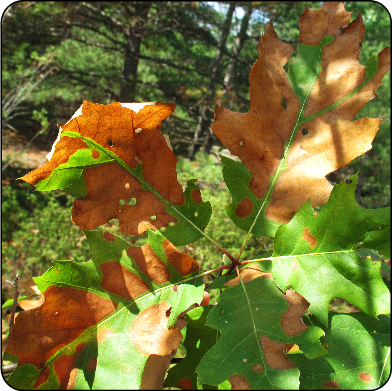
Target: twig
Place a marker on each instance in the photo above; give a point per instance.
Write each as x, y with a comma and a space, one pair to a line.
16, 294
8, 368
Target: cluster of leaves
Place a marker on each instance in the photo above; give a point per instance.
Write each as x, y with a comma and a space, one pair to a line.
105, 322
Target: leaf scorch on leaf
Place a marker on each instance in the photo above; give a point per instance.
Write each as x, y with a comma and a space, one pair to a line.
119, 304
119, 165
107, 322
316, 254
288, 149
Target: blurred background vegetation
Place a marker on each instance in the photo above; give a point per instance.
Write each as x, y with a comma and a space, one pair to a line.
194, 54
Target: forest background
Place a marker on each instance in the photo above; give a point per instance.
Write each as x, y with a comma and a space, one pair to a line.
194, 54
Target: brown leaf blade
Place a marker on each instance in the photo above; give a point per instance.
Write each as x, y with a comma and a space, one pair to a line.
299, 127
115, 159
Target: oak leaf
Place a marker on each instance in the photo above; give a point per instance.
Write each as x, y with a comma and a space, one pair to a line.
299, 127
123, 303
115, 160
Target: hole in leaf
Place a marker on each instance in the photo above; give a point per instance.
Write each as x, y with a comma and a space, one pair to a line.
305, 131
110, 142
95, 154
132, 201
138, 130
153, 217
163, 229
121, 202
196, 214
172, 223
241, 143
284, 104
148, 148
348, 180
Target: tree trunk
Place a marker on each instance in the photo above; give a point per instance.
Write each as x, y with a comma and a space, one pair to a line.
204, 120
131, 57
232, 68
238, 44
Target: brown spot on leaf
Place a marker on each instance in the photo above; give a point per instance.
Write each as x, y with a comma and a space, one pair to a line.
244, 208
104, 334
291, 320
43, 377
108, 236
196, 196
80, 347
149, 263
238, 382
92, 364
274, 354
364, 376
309, 238
150, 334
183, 263
96, 154
331, 384
65, 369
248, 273
122, 282
257, 368
37, 335
295, 265
185, 384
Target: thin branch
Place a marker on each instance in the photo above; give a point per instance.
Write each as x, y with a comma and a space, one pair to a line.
16, 294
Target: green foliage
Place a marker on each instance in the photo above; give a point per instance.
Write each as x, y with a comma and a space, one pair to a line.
37, 230
115, 321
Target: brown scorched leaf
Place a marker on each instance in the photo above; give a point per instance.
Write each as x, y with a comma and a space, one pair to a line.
116, 161
299, 127
104, 318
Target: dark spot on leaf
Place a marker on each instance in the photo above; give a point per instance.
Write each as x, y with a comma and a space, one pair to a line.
148, 148
305, 131
92, 364
348, 180
80, 347
364, 376
66, 372
238, 382
309, 238
331, 384
257, 368
108, 236
110, 142
185, 384
196, 196
284, 104
43, 377
244, 208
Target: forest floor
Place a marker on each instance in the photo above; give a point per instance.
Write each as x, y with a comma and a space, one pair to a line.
12, 145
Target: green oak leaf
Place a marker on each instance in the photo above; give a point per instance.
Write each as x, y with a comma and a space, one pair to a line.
245, 314
358, 356
199, 339
315, 254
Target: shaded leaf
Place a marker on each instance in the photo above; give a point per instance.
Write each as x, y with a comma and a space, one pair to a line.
102, 319
288, 149
115, 160
198, 340
250, 350
358, 355
316, 256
